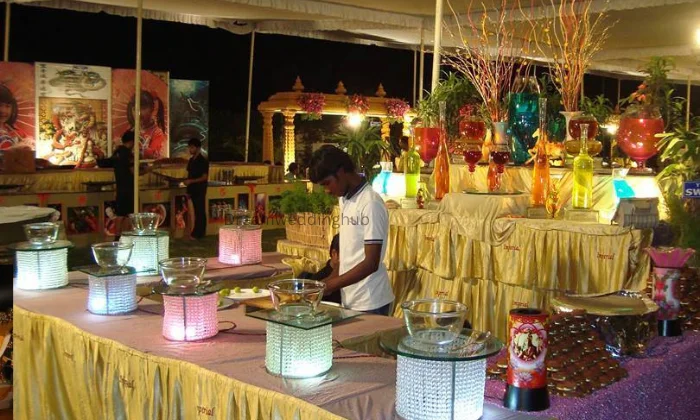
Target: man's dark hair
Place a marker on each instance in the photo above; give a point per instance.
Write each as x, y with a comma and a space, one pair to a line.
195, 142
293, 167
128, 137
326, 161
335, 243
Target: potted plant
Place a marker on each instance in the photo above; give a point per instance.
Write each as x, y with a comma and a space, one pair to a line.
365, 146
309, 217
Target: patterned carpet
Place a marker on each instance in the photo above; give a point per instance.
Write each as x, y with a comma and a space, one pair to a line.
207, 247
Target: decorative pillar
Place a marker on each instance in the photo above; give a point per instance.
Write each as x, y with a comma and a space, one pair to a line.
289, 140
267, 146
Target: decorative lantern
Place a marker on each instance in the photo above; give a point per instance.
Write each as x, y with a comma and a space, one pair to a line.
149, 248
111, 293
527, 370
42, 266
441, 382
240, 245
668, 263
190, 317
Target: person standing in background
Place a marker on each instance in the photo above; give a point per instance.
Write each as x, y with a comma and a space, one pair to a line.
197, 182
123, 164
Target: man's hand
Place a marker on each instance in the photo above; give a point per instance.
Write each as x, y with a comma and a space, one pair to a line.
358, 273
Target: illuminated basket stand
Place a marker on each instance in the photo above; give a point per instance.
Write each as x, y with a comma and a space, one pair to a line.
191, 315
301, 347
149, 248
111, 292
240, 245
42, 266
440, 382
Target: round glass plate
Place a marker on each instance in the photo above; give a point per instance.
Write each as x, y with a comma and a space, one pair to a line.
225, 303
204, 289
514, 192
28, 246
469, 345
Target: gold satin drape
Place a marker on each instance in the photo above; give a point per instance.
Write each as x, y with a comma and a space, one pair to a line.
62, 372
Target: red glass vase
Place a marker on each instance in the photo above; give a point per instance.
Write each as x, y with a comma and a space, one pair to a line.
427, 140
637, 134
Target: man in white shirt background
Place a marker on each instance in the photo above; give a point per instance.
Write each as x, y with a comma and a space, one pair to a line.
364, 226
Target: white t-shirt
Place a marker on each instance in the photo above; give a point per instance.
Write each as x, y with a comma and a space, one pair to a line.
364, 220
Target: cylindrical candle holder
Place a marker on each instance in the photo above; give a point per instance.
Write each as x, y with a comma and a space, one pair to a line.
190, 317
527, 371
42, 267
298, 353
149, 248
240, 245
668, 263
112, 294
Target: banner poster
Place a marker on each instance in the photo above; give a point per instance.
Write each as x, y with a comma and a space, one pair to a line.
72, 113
154, 137
17, 109
189, 115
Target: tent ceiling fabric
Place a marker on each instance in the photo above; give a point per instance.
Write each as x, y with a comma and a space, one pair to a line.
644, 28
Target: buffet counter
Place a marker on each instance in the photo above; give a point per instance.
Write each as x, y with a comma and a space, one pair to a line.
493, 260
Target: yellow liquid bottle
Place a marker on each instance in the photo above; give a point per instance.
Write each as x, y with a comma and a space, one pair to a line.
411, 172
582, 194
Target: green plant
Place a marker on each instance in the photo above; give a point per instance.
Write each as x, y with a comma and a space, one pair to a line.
365, 146
555, 121
299, 200
682, 149
599, 107
456, 91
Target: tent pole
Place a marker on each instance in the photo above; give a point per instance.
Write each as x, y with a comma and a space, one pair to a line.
250, 91
687, 108
437, 45
6, 51
421, 75
137, 101
415, 75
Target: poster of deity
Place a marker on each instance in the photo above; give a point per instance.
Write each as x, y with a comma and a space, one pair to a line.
154, 142
72, 113
189, 115
17, 109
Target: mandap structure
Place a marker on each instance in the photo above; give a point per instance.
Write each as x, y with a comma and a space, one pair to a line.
288, 104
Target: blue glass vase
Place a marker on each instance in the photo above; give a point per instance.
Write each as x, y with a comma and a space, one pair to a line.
523, 121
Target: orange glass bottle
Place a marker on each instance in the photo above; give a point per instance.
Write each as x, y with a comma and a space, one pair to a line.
540, 176
442, 161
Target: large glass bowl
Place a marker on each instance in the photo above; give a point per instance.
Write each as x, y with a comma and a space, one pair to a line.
144, 222
296, 297
184, 273
112, 255
434, 321
41, 233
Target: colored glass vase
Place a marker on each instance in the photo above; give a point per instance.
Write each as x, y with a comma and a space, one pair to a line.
582, 194
442, 160
499, 148
541, 173
523, 121
411, 172
636, 135
427, 141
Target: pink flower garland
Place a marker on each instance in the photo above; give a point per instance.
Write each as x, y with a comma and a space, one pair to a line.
396, 108
358, 104
312, 104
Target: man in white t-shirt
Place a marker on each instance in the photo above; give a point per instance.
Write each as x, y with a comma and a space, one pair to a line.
364, 227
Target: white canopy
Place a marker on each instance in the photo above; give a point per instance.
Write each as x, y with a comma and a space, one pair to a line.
644, 28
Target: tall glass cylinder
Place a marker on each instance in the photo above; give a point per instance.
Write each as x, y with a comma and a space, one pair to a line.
582, 195
540, 176
522, 121
411, 170
442, 161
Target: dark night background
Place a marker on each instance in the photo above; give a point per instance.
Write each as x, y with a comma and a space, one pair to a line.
201, 53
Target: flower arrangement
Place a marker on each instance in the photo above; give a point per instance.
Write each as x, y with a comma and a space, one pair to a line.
570, 39
396, 109
486, 55
357, 104
312, 104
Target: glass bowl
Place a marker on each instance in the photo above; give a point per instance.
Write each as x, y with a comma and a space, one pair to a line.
112, 255
184, 273
296, 297
434, 321
144, 222
42, 233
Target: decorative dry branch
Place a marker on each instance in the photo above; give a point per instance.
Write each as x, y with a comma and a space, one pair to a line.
570, 40
487, 55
